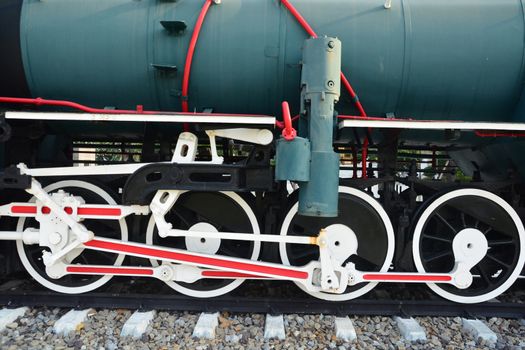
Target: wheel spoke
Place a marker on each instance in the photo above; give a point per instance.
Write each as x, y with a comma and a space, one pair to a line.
228, 252
362, 262
306, 252
446, 222
298, 229
436, 256
463, 221
483, 274
106, 255
181, 217
436, 238
498, 242
83, 258
501, 263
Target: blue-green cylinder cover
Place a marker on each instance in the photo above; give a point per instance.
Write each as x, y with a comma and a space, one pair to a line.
292, 160
318, 197
459, 59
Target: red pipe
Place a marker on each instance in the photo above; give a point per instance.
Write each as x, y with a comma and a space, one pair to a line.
280, 124
289, 133
353, 95
364, 155
498, 134
59, 103
299, 18
312, 33
191, 51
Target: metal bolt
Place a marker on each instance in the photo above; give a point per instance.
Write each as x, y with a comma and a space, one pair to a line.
331, 44
330, 83
55, 238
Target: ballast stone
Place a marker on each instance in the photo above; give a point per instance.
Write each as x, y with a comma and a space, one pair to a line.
70, 321
137, 324
274, 327
8, 316
344, 329
206, 326
479, 330
410, 329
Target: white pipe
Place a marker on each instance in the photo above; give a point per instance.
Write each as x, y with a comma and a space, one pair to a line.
11, 235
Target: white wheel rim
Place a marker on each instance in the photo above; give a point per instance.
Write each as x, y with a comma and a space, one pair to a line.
469, 192
54, 286
230, 286
388, 257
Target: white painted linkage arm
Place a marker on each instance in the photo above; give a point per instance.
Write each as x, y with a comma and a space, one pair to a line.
241, 236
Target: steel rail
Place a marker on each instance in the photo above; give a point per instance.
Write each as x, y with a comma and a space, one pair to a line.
34, 297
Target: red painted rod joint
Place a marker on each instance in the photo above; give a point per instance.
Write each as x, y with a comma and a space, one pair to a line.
289, 133
32, 209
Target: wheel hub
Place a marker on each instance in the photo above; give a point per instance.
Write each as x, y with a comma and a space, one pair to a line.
200, 244
341, 241
469, 246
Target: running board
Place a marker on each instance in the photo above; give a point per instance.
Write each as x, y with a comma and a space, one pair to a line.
202, 118
379, 123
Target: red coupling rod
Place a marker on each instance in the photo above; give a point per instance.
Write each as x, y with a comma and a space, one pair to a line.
289, 133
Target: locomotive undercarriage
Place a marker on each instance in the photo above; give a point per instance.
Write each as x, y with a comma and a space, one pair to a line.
205, 219
203, 227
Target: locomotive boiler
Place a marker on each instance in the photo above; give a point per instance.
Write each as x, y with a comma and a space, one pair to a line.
333, 144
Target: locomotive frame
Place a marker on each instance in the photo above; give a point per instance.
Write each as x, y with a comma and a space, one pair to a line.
202, 234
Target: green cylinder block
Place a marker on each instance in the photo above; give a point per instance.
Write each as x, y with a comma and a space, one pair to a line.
292, 160
320, 91
319, 196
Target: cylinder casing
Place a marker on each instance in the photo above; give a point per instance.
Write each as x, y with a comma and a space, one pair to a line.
423, 59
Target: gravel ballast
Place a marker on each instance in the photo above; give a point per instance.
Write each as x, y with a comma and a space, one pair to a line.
173, 330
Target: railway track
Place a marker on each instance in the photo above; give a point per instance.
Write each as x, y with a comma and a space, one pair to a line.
384, 302
33, 327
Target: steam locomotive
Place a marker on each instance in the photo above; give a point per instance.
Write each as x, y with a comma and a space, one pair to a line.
332, 144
